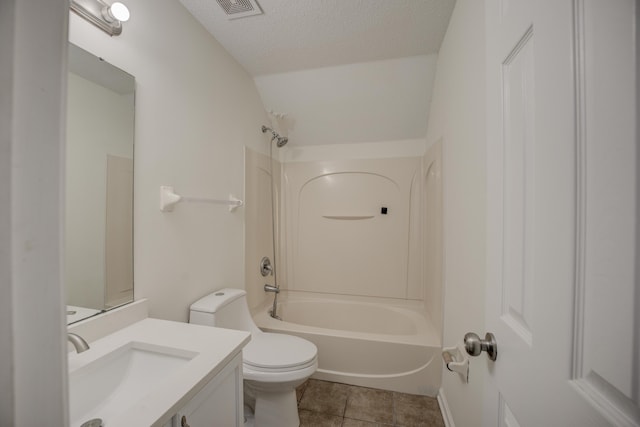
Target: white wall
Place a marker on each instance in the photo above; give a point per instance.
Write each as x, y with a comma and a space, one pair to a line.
364, 102
457, 117
32, 91
305, 159
196, 109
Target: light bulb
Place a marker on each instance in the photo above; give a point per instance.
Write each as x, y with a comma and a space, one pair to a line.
119, 12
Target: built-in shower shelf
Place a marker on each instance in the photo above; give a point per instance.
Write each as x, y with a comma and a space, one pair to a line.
348, 217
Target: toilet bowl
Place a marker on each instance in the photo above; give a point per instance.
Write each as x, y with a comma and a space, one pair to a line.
273, 364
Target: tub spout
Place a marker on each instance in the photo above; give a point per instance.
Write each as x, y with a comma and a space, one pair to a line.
276, 290
271, 288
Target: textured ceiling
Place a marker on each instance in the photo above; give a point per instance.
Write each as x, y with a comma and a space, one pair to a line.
295, 35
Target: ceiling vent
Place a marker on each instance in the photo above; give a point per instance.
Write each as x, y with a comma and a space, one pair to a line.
240, 8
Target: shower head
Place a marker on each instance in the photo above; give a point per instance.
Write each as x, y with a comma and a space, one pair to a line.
281, 141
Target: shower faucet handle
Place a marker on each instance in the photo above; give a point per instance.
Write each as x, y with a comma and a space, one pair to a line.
265, 267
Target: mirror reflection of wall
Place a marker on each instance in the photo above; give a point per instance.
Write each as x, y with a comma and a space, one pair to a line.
99, 186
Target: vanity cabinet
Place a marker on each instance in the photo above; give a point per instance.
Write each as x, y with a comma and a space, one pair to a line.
218, 404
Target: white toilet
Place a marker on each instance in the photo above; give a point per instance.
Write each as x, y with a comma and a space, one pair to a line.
273, 364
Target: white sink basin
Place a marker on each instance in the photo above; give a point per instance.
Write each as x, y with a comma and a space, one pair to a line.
109, 385
142, 373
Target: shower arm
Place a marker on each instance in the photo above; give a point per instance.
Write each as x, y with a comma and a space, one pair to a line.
281, 141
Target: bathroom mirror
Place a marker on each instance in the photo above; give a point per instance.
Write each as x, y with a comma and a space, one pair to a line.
99, 186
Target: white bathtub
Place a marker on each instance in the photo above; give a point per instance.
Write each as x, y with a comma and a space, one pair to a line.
371, 342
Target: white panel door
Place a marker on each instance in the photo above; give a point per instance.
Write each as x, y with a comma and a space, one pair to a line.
562, 289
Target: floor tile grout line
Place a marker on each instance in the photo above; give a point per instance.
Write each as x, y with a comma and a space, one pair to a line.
346, 402
393, 408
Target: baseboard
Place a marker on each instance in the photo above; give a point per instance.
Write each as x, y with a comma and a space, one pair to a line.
444, 409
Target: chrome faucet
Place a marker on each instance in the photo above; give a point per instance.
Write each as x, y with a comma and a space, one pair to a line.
276, 290
78, 342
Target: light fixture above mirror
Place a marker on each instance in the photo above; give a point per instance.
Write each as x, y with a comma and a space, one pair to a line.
107, 17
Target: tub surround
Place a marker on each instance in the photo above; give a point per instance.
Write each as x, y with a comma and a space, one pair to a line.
258, 223
335, 210
359, 202
430, 249
372, 208
210, 350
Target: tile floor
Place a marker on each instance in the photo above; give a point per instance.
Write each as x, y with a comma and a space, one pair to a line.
327, 404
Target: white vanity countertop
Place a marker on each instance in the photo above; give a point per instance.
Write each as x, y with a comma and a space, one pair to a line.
214, 348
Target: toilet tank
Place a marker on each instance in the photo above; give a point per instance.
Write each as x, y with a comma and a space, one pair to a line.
224, 308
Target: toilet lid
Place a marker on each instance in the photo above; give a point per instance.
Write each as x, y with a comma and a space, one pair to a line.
278, 351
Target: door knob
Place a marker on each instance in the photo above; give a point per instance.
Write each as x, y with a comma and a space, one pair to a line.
474, 345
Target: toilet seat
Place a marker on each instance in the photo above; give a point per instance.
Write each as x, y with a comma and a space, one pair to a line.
269, 352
